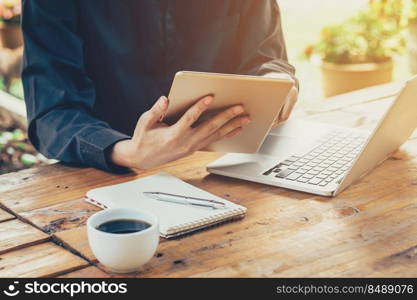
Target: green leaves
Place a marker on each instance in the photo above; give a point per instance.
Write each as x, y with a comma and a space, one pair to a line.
373, 35
16, 152
28, 159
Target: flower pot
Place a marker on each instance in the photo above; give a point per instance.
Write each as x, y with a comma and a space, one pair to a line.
11, 35
412, 47
342, 78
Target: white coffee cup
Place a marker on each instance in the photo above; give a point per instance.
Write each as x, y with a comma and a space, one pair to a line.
123, 252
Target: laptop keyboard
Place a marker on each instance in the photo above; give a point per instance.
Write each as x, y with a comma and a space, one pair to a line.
325, 163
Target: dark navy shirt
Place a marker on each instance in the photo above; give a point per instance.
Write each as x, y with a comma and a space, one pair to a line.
92, 67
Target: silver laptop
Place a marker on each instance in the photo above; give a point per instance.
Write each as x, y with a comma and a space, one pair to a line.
321, 158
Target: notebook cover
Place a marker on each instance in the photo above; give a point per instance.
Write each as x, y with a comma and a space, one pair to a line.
174, 219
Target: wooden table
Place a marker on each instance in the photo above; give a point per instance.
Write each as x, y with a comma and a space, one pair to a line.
368, 230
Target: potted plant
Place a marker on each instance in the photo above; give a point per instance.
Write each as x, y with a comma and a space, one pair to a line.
358, 52
16, 152
11, 34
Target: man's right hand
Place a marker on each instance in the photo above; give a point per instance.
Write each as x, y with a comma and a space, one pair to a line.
155, 143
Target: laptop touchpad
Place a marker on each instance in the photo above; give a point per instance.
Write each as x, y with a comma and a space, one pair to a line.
291, 137
278, 146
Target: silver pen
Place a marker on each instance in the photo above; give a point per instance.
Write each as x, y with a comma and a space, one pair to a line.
185, 200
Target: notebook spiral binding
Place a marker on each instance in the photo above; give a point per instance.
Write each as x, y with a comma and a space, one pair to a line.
94, 202
220, 217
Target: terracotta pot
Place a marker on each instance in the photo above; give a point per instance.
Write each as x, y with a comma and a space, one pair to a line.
11, 35
412, 47
342, 78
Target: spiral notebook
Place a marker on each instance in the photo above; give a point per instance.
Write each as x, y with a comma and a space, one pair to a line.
174, 219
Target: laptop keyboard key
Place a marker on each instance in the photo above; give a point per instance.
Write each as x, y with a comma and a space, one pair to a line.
293, 176
315, 181
308, 176
298, 164
302, 180
309, 157
300, 172
325, 163
284, 173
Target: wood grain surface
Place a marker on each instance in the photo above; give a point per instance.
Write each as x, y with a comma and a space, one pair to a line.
88, 272
5, 216
16, 234
44, 260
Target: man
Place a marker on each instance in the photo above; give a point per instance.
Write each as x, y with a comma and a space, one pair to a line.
93, 67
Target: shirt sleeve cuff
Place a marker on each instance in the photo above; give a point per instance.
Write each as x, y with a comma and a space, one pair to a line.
95, 148
266, 69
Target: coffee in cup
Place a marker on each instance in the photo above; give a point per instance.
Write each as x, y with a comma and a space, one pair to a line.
123, 239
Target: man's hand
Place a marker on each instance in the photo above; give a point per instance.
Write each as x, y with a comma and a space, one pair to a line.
290, 101
155, 143
288, 106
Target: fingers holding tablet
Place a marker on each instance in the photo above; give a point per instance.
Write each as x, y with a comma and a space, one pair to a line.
261, 97
217, 125
221, 125
214, 123
194, 112
288, 106
228, 130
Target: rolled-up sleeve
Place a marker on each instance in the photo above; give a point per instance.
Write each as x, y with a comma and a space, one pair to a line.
261, 41
59, 94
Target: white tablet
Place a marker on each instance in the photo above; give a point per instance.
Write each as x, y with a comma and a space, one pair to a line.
261, 97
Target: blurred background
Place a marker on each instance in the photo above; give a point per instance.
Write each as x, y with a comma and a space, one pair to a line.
370, 31
336, 46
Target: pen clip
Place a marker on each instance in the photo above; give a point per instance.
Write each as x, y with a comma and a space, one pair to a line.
202, 205
189, 200
206, 200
